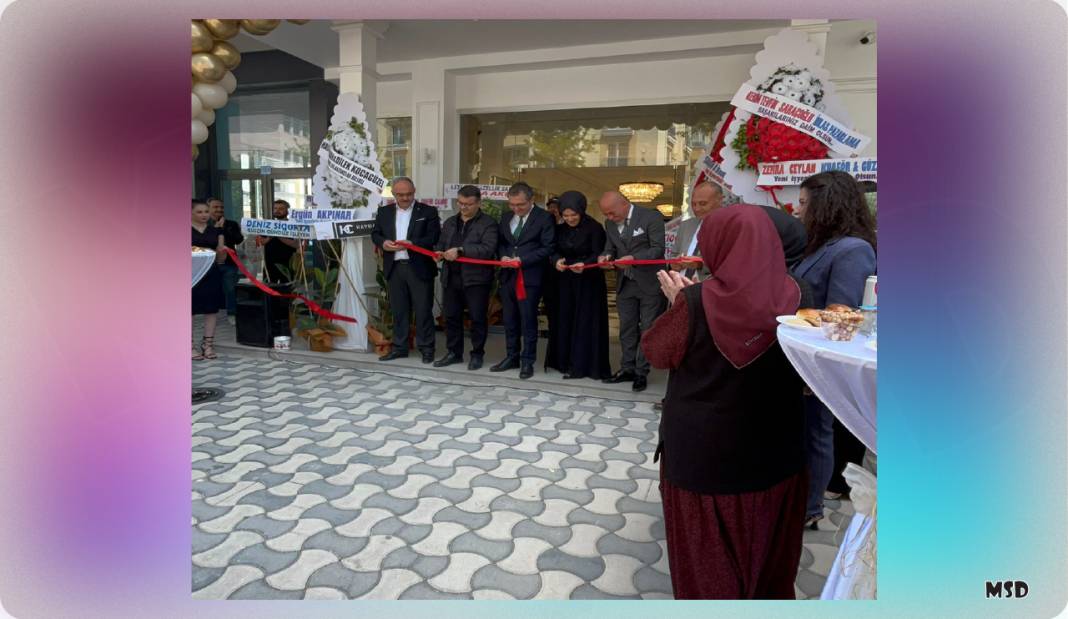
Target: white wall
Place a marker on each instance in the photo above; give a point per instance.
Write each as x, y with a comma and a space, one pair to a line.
633, 83
571, 82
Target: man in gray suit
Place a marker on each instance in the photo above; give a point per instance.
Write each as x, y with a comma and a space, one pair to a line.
633, 234
706, 198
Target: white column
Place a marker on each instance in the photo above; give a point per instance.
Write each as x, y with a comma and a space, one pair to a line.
817, 30
358, 58
435, 129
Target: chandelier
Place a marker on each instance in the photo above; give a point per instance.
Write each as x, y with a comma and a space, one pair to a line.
643, 191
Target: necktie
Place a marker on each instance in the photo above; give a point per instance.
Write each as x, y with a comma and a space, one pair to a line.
518, 228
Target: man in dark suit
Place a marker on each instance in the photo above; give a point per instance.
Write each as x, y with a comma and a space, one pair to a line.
471, 234
410, 275
526, 234
706, 198
633, 234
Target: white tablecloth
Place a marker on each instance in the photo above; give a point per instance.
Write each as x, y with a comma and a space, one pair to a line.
202, 261
841, 374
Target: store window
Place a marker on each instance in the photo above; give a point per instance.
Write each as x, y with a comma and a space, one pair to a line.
394, 144
591, 150
266, 129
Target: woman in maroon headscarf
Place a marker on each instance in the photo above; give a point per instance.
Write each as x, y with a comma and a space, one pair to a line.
732, 473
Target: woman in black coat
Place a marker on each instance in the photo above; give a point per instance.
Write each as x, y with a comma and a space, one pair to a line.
578, 342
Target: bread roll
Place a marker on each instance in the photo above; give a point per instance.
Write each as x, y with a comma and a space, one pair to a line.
811, 316
838, 307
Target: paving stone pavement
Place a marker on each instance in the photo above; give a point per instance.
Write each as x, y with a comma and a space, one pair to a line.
312, 482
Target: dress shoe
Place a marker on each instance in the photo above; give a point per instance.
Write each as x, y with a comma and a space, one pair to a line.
448, 359
621, 376
509, 363
475, 363
393, 354
639, 383
526, 371
428, 357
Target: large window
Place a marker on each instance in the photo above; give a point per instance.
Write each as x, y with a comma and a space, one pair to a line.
266, 129
393, 141
591, 150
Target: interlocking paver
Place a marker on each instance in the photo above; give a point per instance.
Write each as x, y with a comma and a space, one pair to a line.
219, 556
456, 578
321, 483
235, 577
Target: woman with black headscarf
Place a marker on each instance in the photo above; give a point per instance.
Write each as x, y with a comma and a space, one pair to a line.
578, 342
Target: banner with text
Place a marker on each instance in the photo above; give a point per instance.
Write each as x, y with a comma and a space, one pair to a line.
808, 120
714, 172
276, 227
326, 230
788, 173
308, 215
489, 192
354, 172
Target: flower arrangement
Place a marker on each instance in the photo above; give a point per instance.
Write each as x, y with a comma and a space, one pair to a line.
761, 140
351, 143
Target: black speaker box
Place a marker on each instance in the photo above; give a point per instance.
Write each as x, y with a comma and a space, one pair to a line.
261, 317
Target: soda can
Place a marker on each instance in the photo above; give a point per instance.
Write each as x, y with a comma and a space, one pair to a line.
870, 292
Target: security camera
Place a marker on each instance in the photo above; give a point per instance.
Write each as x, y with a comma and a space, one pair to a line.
867, 38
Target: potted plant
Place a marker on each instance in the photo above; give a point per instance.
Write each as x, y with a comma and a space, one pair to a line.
319, 285
380, 331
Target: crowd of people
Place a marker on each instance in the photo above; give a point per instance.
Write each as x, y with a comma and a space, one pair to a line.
746, 451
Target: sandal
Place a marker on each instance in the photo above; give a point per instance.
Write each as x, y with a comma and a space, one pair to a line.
812, 522
197, 354
208, 348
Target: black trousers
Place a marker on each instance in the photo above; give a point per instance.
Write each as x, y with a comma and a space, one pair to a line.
520, 318
407, 292
476, 300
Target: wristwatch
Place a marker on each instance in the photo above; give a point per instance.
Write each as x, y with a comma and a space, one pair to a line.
459, 251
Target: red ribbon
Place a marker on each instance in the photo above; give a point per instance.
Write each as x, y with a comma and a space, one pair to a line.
312, 305
520, 291
520, 286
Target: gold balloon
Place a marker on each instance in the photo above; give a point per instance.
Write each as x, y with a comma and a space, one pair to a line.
208, 68
260, 26
202, 40
226, 53
299, 22
223, 28
196, 151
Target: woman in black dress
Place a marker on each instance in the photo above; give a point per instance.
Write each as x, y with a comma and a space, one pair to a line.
579, 341
208, 296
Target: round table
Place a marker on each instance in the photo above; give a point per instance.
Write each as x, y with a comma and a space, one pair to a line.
202, 261
843, 376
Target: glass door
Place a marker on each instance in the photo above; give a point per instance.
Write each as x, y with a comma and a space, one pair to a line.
246, 197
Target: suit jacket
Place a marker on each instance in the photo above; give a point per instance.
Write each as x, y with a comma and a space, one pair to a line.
687, 229
424, 229
536, 242
643, 238
837, 271
481, 243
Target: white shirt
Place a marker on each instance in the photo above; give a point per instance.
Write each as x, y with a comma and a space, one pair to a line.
515, 222
690, 251
623, 224
404, 217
